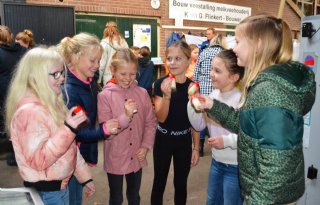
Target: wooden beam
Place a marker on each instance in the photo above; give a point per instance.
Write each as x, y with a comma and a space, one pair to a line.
295, 8
281, 8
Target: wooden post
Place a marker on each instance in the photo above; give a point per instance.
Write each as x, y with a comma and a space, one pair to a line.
281, 8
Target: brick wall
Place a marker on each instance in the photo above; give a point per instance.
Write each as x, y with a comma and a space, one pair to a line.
143, 8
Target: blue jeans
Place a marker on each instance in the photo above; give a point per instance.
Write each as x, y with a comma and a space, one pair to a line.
223, 185
203, 134
55, 197
133, 188
75, 191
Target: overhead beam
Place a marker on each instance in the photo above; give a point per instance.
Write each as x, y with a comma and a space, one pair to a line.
281, 8
295, 8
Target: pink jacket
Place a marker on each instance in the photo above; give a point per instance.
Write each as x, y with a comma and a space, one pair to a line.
44, 152
120, 150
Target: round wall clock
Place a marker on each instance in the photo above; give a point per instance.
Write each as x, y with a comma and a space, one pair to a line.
155, 4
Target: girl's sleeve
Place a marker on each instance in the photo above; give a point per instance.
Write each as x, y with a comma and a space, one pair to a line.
105, 112
82, 172
40, 147
89, 133
150, 124
197, 119
227, 116
230, 140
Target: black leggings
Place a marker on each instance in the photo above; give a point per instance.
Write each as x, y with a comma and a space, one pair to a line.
165, 148
133, 188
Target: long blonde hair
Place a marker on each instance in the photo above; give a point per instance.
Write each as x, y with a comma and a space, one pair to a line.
270, 41
31, 76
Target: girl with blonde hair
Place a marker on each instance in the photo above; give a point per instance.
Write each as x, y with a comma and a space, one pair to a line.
125, 153
82, 54
111, 41
42, 130
277, 93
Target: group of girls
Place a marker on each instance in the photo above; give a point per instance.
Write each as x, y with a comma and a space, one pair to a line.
55, 140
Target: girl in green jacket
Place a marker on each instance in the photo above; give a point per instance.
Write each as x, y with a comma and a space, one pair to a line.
277, 93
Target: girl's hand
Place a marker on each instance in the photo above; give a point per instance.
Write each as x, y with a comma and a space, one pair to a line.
194, 157
216, 142
142, 153
193, 88
206, 102
112, 126
166, 88
74, 120
90, 189
130, 107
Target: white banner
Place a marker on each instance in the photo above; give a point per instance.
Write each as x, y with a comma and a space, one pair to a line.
207, 11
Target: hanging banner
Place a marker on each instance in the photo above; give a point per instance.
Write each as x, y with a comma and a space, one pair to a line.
207, 11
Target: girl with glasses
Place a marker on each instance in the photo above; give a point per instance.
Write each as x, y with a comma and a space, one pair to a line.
42, 129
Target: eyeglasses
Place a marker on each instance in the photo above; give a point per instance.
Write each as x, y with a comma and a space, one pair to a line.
57, 75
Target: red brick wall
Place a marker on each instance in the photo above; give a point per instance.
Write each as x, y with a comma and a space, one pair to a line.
143, 8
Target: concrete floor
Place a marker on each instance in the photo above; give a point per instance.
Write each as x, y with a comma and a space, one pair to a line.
197, 183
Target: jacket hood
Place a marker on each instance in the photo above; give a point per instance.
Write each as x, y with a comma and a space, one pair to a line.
144, 61
12, 47
111, 86
294, 77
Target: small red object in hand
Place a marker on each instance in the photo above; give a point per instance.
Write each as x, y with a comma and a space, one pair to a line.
76, 110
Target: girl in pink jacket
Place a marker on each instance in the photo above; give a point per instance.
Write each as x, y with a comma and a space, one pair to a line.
125, 151
42, 130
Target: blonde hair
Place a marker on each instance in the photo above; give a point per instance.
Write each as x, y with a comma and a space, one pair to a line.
31, 76
6, 37
218, 40
77, 45
26, 37
112, 32
193, 46
270, 41
123, 56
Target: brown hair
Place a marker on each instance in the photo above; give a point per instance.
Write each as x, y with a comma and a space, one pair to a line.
185, 48
6, 37
111, 31
145, 51
230, 60
26, 37
211, 29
